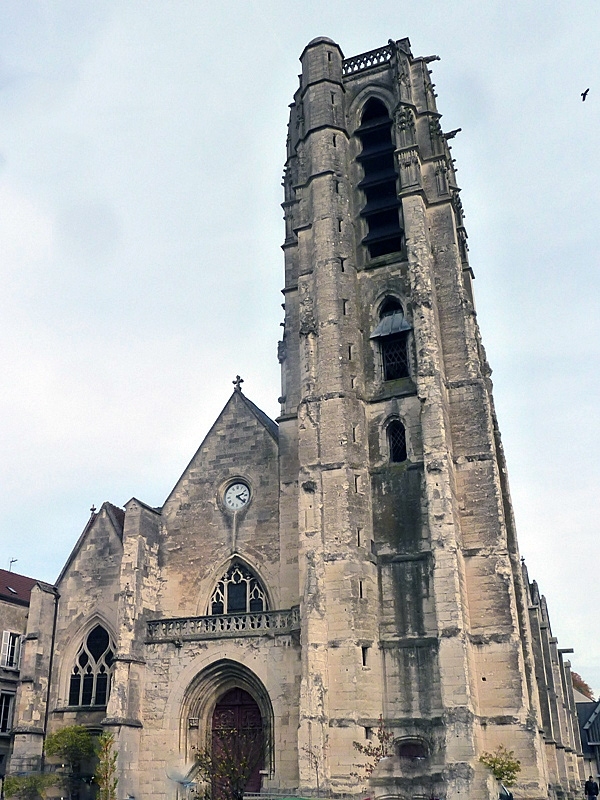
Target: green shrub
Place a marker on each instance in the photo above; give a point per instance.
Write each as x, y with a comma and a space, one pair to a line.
73, 744
503, 765
27, 787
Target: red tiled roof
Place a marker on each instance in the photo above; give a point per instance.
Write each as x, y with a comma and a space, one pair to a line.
16, 587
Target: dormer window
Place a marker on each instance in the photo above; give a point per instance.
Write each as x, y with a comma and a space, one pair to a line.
379, 184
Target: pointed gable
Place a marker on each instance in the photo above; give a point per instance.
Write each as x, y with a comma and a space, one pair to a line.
239, 430
200, 530
99, 546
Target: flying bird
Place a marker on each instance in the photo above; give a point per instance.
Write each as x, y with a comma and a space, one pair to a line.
181, 774
584, 95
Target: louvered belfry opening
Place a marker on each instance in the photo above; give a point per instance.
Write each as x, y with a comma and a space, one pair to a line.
379, 184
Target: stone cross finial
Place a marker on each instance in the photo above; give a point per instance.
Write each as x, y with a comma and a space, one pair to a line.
238, 383
93, 509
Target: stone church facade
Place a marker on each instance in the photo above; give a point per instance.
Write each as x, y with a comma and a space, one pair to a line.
355, 559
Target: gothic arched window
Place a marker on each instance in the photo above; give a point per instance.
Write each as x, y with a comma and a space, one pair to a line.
379, 184
396, 435
91, 673
238, 592
392, 334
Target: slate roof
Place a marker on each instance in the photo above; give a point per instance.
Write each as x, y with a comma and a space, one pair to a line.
16, 588
584, 712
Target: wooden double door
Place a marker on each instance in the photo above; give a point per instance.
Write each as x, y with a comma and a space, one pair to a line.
238, 745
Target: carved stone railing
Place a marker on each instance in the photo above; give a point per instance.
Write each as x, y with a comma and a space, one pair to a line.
373, 58
218, 626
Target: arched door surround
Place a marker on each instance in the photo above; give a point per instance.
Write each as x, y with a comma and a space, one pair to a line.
205, 691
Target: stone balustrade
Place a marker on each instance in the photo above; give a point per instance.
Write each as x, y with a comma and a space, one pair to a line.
373, 58
218, 626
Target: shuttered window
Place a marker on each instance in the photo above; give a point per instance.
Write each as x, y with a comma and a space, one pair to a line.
11, 650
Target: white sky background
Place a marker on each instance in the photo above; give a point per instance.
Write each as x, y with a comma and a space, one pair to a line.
141, 152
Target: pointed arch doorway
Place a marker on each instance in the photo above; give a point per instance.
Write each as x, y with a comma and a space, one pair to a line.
238, 745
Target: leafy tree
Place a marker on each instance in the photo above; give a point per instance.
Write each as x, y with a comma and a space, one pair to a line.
27, 787
376, 749
106, 770
227, 766
73, 744
581, 685
503, 765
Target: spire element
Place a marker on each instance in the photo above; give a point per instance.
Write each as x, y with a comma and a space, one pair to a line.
238, 383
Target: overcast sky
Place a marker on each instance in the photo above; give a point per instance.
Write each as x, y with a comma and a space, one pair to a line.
141, 152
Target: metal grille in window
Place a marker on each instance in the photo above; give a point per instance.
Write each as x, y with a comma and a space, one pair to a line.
394, 352
397, 442
238, 592
91, 675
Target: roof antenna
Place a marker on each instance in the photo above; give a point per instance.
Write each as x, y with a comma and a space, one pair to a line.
10, 563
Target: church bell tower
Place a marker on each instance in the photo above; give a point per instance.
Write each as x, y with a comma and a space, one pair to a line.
396, 519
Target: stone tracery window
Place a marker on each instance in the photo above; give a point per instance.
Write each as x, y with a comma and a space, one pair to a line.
238, 592
90, 678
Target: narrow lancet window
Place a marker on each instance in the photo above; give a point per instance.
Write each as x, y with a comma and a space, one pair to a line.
396, 435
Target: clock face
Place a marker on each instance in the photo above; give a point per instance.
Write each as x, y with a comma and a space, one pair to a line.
237, 496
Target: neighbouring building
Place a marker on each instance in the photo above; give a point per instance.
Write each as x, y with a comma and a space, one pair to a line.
354, 559
15, 598
588, 714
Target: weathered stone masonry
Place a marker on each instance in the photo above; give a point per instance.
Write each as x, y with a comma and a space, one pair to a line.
357, 559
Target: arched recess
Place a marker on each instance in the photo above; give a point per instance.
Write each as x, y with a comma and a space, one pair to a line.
396, 440
358, 103
209, 687
391, 339
76, 635
413, 748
